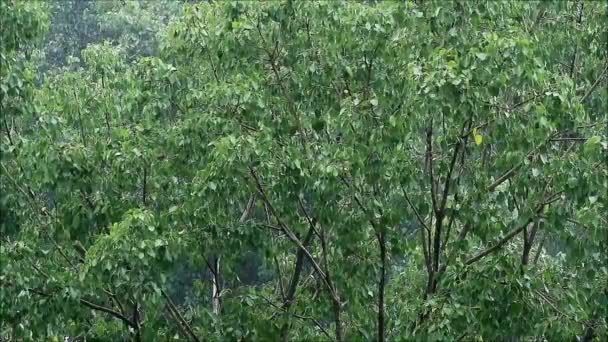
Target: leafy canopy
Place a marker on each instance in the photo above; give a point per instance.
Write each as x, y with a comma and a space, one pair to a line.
305, 170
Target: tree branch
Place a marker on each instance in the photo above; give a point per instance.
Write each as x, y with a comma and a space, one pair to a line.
512, 171
580, 5
288, 298
424, 238
539, 249
595, 84
429, 156
293, 284
499, 244
513, 232
179, 317
317, 323
280, 280
381, 237
248, 210
271, 57
290, 234
362, 207
446, 187
418, 217
109, 311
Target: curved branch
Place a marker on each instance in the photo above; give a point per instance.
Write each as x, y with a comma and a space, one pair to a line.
513, 232
109, 311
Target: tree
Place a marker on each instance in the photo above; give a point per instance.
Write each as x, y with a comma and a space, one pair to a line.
391, 171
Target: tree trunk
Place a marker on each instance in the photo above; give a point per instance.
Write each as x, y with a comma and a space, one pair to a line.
337, 319
293, 285
381, 285
216, 289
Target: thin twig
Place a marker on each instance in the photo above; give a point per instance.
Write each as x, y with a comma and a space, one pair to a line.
420, 220
595, 84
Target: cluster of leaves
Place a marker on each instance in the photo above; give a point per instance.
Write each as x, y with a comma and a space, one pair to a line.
309, 170
133, 25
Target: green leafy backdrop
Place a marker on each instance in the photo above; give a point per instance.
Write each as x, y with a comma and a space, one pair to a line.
304, 170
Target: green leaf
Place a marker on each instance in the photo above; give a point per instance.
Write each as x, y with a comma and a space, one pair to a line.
594, 140
478, 137
481, 56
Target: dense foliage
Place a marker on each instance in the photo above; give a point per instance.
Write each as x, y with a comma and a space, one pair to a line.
303, 170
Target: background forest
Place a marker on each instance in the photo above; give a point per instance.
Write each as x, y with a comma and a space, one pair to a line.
303, 170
